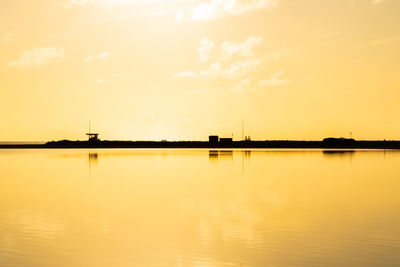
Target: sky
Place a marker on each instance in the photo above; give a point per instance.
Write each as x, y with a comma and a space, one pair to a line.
186, 69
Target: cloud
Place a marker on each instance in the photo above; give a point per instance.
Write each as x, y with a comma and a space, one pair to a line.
96, 56
213, 71
185, 74
242, 49
38, 57
179, 17
275, 80
241, 68
220, 8
234, 60
205, 48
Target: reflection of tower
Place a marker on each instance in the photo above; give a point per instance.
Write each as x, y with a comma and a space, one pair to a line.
93, 158
245, 157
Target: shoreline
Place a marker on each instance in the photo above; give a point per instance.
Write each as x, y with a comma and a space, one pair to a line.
275, 144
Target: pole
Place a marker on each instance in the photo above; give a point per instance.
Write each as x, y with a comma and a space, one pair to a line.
242, 129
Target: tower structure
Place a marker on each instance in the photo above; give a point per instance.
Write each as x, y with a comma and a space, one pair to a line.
92, 137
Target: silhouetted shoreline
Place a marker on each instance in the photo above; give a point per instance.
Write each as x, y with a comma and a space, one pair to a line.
328, 143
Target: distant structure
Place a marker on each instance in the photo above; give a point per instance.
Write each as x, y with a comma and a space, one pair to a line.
226, 141
92, 137
213, 139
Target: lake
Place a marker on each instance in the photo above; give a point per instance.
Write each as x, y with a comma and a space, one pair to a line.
199, 208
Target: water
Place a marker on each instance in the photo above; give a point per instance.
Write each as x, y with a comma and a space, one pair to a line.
199, 208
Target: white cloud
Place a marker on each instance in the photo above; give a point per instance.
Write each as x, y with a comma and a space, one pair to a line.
275, 80
228, 65
205, 49
243, 49
179, 17
213, 71
220, 8
185, 74
38, 57
96, 56
241, 68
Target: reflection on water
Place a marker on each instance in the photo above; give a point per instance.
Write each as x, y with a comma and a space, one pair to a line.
199, 208
220, 154
93, 157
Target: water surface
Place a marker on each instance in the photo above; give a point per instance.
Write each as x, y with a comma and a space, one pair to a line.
199, 208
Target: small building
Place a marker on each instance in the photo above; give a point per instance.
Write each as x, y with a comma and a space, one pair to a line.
226, 141
93, 137
213, 139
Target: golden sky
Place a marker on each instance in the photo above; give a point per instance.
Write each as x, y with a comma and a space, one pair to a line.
184, 69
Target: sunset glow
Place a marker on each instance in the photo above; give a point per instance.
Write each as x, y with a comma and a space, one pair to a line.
181, 70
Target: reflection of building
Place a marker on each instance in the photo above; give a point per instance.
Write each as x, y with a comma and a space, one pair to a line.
213, 154
220, 154
227, 154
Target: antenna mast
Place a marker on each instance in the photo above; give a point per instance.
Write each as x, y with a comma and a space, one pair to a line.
242, 129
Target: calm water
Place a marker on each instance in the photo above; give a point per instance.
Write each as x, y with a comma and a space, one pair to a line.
199, 208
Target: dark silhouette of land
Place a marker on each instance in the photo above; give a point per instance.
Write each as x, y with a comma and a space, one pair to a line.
328, 143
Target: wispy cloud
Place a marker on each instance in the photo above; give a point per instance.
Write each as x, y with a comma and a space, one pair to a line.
96, 56
205, 49
38, 57
219, 8
275, 80
241, 68
239, 63
185, 74
234, 60
213, 71
243, 49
